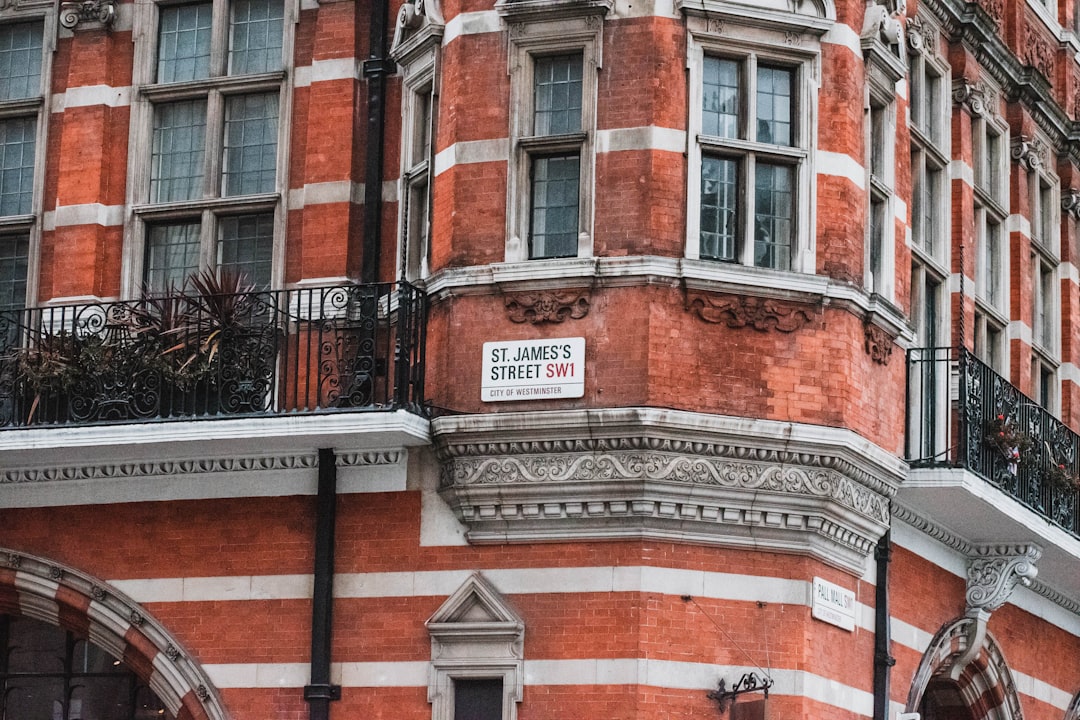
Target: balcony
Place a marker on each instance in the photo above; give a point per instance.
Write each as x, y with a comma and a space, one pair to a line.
212, 351
989, 464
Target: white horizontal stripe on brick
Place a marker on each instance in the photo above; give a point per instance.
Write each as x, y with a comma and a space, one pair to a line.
337, 192
841, 34
1041, 691
840, 165
242, 587
473, 23
322, 70
260, 675
1069, 372
89, 214
648, 137
644, 8
1018, 223
89, 96
472, 151
960, 169
382, 674
901, 209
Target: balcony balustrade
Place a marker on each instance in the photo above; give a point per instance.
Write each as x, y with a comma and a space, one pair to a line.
208, 352
963, 414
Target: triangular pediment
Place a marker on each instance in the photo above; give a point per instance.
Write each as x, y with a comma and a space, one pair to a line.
476, 601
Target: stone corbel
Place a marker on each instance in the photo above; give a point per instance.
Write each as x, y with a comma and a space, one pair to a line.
412, 16
970, 96
882, 22
101, 11
993, 573
1070, 202
1028, 153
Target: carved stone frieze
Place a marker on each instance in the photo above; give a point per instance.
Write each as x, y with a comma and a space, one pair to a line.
995, 571
879, 344
762, 314
99, 11
995, 9
970, 96
547, 307
1037, 51
1028, 153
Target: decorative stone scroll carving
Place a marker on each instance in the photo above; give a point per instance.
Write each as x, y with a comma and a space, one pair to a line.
102, 11
994, 571
882, 21
917, 35
547, 307
879, 344
1028, 153
1070, 202
762, 314
412, 16
970, 96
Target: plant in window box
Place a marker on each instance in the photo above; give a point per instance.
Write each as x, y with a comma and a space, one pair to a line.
1061, 477
1012, 442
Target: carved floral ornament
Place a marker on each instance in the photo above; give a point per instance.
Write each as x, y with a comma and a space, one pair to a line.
970, 96
995, 9
879, 344
762, 314
1038, 52
994, 572
101, 11
547, 307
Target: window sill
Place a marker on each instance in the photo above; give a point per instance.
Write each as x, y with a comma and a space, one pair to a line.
197, 88
238, 203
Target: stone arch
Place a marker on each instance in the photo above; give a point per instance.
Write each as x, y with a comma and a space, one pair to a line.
60, 595
985, 684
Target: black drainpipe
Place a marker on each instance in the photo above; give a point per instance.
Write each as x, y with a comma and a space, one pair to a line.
376, 68
883, 661
320, 692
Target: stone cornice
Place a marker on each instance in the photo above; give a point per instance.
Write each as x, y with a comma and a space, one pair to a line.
636, 473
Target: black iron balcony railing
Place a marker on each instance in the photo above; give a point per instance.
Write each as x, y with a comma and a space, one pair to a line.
206, 352
963, 414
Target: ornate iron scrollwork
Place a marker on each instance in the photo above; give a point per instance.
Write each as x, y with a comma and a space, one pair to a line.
749, 682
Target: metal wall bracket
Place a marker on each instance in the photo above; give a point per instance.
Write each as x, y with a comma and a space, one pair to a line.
750, 682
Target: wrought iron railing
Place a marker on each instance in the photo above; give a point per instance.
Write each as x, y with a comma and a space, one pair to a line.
963, 414
203, 353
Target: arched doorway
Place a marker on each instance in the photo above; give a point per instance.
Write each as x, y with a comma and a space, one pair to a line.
983, 689
77, 606
49, 672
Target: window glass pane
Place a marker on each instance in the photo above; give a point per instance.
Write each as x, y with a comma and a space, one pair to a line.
555, 206
250, 157
719, 190
478, 699
774, 105
255, 36
878, 208
17, 165
877, 143
557, 95
992, 250
246, 247
720, 98
172, 254
14, 262
176, 160
773, 216
20, 60
184, 42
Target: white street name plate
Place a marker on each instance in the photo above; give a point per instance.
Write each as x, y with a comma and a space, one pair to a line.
533, 370
833, 604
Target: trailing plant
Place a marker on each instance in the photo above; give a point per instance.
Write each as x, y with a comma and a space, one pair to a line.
1009, 440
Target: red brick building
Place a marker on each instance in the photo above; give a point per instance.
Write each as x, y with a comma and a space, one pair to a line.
527, 359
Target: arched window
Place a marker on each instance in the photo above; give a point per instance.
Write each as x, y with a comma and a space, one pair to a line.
49, 673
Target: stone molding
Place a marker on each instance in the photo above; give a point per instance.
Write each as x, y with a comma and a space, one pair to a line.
645, 481
547, 307
1028, 153
196, 466
970, 96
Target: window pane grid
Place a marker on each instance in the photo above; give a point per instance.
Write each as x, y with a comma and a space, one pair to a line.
773, 215
774, 106
20, 60
17, 140
14, 263
250, 154
184, 39
555, 206
255, 36
557, 95
719, 189
245, 247
720, 98
176, 158
172, 254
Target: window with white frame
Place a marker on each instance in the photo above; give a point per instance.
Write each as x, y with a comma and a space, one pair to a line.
1044, 301
991, 249
753, 103
207, 141
22, 93
553, 68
